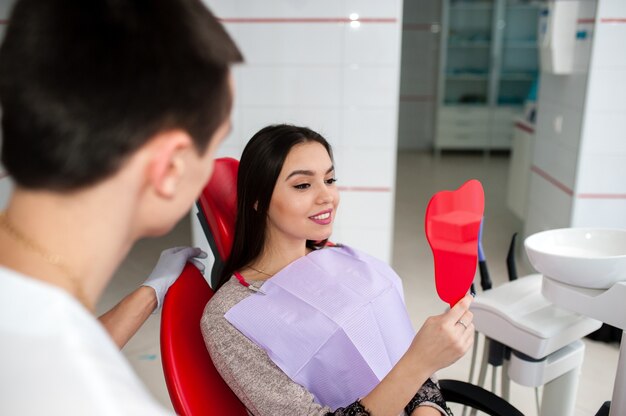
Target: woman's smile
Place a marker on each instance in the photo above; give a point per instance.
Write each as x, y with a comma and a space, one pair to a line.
322, 218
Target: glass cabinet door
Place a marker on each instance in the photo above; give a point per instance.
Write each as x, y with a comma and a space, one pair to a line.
519, 56
468, 54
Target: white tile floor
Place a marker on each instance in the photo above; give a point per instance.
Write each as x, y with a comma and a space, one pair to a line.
419, 176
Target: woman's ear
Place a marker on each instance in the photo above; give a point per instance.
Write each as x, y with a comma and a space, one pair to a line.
256, 205
167, 161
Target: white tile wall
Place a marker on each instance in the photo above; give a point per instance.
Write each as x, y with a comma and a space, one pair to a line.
607, 89
416, 127
420, 61
366, 128
326, 121
419, 76
376, 44
289, 43
275, 8
548, 208
548, 115
589, 155
371, 86
612, 9
284, 86
363, 168
566, 91
306, 64
557, 161
364, 220
606, 132
604, 52
374, 8
602, 174
599, 213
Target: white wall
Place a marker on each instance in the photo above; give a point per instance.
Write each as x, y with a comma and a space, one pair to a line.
579, 171
307, 64
601, 173
421, 29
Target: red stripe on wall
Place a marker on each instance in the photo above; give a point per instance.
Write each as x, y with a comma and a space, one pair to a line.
363, 189
3, 21
524, 127
601, 196
613, 20
307, 20
586, 21
552, 180
568, 191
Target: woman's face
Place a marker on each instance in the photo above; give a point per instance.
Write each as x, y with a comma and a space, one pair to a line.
305, 197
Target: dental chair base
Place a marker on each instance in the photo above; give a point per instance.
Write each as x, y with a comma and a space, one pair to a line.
517, 315
544, 338
605, 304
558, 373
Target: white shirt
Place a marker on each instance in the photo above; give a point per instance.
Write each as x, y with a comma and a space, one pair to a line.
57, 359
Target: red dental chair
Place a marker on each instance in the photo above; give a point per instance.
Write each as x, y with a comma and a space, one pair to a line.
194, 385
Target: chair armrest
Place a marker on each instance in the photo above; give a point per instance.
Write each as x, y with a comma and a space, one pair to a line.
476, 397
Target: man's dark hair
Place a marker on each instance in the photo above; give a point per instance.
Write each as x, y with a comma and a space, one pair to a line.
85, 83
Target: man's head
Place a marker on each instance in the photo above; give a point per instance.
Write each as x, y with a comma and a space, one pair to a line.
85, 84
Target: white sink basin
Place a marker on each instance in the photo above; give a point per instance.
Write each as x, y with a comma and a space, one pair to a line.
584, 257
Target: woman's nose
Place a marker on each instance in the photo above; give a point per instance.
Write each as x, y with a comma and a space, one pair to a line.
325, 196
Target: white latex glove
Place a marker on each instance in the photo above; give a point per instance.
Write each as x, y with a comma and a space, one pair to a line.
170, 265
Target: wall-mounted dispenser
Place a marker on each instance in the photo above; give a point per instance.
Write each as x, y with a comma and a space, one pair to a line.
557, 36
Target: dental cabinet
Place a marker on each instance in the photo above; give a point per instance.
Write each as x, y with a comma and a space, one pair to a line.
488, 62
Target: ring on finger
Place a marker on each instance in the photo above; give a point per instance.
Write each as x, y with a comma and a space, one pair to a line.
460, 321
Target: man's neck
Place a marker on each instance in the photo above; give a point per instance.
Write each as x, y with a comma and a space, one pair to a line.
73, 241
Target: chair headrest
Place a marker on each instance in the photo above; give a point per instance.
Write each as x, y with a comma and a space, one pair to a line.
218, 204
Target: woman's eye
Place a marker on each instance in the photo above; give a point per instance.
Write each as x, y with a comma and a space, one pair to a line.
331, 181
302, 186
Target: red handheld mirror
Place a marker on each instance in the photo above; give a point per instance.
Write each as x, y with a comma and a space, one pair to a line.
452, 225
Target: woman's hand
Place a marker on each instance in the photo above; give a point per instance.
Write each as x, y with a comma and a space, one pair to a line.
441, 341
445, 338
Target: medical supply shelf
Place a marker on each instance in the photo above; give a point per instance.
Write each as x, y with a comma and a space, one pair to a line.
488, 62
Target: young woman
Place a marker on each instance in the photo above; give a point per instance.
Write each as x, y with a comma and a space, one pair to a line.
287, 201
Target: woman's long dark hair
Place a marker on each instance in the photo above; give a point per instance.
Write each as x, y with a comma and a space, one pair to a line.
259, 167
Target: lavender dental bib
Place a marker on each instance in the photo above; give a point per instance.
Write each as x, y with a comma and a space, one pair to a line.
334, 321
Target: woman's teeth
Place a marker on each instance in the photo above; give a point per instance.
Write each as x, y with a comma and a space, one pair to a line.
322, 216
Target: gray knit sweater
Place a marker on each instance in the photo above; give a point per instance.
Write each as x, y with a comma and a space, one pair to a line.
263, 388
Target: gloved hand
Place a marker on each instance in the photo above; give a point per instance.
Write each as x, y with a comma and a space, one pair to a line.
168, 268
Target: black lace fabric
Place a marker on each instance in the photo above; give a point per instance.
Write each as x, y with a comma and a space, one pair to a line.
355, 409
428, 394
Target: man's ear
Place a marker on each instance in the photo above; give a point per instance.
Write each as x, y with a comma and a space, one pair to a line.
167, 161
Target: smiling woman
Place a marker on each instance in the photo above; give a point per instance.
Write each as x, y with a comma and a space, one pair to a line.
303, 203
303, 327
286, 203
